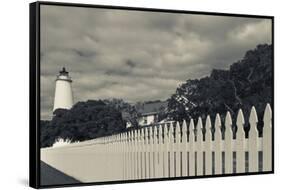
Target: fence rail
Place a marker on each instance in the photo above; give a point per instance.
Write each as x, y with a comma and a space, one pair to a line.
169, 150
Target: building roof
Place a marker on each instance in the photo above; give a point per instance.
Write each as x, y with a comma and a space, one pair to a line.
152, 108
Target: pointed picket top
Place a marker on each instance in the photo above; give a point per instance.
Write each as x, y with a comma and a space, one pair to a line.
253, 116
199, 123
155, 135
184, 132
253, 133
124, 137
166, 139
178, 133
199, 130
150, 135
184, 127
160, 130
142, 136
165, 129
129, 136
114, 139
191, 125
139, 135
240, 118
228, 120
160, 133
228, 125
135, 136
267, 117
171, 132
208, 124
142, 133
177, 128
240, 125
132, 135
191, 131
146, 135
155, 131
171, 127
218, 122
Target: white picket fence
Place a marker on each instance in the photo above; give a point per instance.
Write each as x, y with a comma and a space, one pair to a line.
169, 150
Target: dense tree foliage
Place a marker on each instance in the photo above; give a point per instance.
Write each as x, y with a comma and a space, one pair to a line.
129, 111
248, 82
85, 120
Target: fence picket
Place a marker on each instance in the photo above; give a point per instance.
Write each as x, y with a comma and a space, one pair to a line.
172, 151
253, 141
177, 150
228, 136
146, 153
208, 146
151, 164
218, 145
165, 151
142, 154
199, 147
240, 141
135, 155
160, 153
155, 152
130, 155
184, 149
191, 149
267, 139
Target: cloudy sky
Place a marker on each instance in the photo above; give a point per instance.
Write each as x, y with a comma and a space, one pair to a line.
137, 55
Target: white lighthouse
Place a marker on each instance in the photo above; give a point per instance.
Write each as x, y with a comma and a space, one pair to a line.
63, 92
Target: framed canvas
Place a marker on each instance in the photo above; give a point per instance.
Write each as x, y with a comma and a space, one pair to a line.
123, 94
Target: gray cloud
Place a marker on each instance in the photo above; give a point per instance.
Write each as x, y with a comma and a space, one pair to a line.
137, 55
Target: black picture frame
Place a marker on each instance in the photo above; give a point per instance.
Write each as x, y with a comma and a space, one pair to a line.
34, 82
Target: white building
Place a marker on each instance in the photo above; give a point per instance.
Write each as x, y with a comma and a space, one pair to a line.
150, 112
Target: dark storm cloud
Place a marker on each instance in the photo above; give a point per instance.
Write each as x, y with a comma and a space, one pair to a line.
131, 63
138, 55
